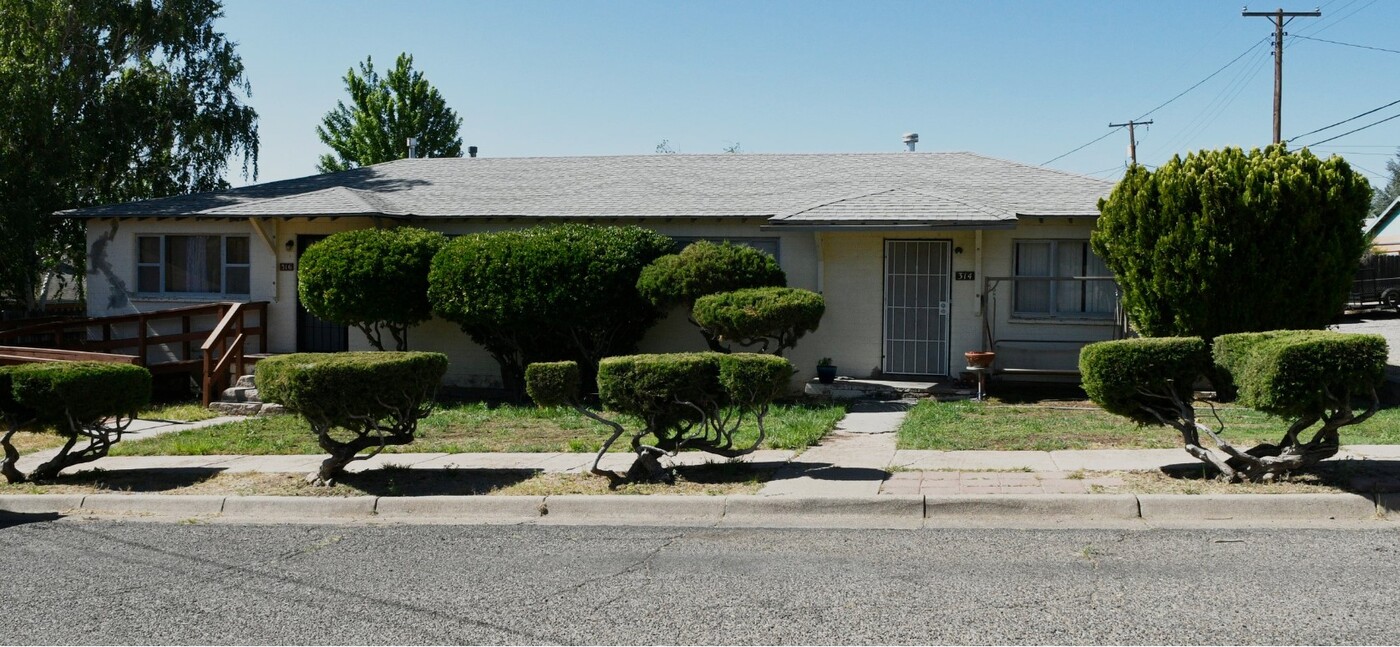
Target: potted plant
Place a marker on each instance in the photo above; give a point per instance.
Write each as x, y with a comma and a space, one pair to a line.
980, 358
826, 371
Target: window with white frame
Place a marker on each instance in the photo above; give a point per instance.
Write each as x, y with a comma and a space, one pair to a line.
193, 264
1061, 279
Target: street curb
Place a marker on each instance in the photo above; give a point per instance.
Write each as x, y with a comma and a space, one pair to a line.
633, 510
39, 503
1257, 507
879, 511
480, 509
154, 504
738, 511
299, 508
1024, 507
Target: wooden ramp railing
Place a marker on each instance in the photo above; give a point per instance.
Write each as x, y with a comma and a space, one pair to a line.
141, 333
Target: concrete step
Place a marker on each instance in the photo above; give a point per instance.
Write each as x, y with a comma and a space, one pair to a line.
245, 381
239, 394
248, 408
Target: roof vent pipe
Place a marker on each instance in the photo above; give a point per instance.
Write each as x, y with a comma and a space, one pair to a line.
910, 139
412, 147
471, 151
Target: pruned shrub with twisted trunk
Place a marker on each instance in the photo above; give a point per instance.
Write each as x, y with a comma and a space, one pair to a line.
704, 268
686, 400
354, 401
90, 401
763, 317
1307, 376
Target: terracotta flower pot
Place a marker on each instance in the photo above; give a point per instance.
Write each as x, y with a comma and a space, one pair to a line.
980, 358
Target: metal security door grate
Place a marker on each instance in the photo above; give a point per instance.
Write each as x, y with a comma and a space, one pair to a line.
916, 306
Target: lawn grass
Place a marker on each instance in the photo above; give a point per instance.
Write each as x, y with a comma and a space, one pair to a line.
968, 425
41, 437
468, 428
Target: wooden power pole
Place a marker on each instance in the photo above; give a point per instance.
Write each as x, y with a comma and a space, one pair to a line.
1132, 138
1279, 18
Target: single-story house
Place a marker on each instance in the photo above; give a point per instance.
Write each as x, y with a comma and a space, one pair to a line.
1378, 229
920, 256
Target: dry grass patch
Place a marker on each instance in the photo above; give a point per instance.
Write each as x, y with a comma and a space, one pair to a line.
1329, 477
712, 479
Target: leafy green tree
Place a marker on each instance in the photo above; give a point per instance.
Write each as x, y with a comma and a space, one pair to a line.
373, 279
383, 113
704, 268
548, 293
1226, 241
108, 101
1391, 190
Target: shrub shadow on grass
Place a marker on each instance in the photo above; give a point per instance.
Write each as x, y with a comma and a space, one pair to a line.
151, 479
397, 481
1360, 476
1012, 393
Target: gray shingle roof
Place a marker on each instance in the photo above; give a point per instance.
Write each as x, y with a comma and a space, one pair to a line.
807, 189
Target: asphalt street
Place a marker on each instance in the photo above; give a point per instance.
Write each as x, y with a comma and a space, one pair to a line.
96, 582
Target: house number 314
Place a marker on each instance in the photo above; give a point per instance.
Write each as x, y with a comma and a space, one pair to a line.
963, 276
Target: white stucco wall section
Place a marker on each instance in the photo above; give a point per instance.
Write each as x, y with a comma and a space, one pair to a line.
848, 269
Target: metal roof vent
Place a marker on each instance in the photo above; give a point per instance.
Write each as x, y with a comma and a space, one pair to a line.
910, 139
412, 147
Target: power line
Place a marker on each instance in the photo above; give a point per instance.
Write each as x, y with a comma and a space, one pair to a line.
1375, 123
1280, 18
1164, 104
1337, 42
1082, 147
1310, 132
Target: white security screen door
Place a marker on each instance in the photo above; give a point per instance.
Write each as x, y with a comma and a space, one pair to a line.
917, 289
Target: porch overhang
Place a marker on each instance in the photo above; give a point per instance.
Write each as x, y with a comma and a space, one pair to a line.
859, 227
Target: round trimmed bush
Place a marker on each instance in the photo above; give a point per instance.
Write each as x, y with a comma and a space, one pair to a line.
761, 314
1298, 373
704, 268
344, 388
370, 278
552, 384
86, 392
1123, 376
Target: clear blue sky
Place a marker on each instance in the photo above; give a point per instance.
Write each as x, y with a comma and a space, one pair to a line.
1025, 81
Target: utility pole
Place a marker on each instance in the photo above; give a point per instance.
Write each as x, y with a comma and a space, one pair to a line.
1132, 138
1279, 18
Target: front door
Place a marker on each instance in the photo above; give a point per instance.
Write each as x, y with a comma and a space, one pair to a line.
917, 292
316, 335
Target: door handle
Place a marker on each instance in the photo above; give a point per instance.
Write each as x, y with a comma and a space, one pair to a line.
943, 308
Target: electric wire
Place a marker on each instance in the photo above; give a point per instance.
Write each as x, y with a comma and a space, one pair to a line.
1356, 130
1165, 103
1337, 42
1313, 132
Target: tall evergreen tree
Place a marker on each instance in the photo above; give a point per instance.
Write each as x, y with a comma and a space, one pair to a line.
383, 113
1226, 241
1388, 192
108, 101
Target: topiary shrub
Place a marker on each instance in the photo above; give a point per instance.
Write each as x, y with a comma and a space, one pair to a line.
90, 401
378, 398
686, 400
1143, 379
1309, 376
1306, 376
372, 279
552, 384
760, 316
704, 268
543, 294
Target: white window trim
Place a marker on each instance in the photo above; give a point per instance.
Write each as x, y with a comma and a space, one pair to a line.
224, 266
